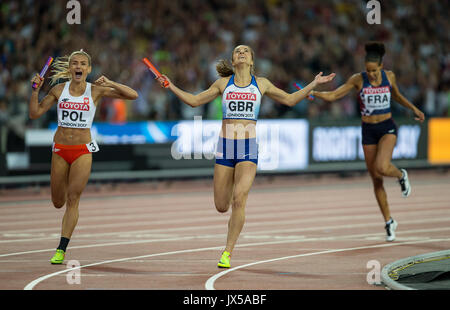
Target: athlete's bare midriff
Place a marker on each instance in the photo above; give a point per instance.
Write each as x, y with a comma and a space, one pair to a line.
72, 136
238, 129
374, 119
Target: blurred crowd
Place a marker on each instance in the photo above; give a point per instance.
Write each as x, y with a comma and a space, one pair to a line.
292, 40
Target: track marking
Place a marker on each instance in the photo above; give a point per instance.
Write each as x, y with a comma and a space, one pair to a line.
288, 207
33, 283
251, 224
209, 284
254, 235
99, 245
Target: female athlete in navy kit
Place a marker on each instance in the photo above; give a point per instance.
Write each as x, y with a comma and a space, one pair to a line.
376, 87
236, 156
71, 152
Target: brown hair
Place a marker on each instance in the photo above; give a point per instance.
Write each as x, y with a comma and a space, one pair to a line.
224, 67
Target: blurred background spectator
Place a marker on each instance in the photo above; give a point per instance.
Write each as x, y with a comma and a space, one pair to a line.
293, 41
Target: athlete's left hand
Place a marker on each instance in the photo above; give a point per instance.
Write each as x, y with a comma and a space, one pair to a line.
320, 79
103, 81
419, 116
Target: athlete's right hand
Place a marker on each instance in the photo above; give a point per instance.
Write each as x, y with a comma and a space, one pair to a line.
164, 81
38, 80
321, 79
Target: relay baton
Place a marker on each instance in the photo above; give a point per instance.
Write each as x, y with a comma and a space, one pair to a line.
299, 88
44, 70
155, 72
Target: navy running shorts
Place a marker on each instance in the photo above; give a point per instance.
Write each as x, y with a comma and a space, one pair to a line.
372, 133
230, 152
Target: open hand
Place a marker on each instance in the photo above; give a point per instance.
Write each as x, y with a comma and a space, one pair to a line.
320, 79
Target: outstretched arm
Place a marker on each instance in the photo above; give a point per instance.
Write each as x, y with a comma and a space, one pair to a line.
112, 89
341, 91
291, 100
397, 96
190, 99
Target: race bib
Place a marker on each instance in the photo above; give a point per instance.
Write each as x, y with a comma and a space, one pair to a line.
377, 98
92, 146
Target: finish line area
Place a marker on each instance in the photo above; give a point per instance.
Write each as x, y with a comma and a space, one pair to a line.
301, 233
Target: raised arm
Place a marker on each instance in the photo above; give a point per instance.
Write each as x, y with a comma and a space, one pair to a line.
112, 89
352, 83
291, 100
36, 109
398, 97
194, 100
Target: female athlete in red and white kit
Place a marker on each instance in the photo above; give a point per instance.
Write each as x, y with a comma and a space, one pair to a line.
376, 88
76, 102
237, 153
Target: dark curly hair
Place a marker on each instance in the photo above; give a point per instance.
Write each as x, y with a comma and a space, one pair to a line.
375, 52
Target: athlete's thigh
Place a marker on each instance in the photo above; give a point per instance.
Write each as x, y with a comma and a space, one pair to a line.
385, 149
370, 155
59, 177
80, 170
244, 176
223, 186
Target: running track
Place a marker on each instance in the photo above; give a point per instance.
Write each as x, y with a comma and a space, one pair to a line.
301, 232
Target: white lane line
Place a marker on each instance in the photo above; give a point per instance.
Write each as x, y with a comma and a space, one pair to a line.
209, 284
29, 232
253, 235
352, 226
288, 208
100, 245
33, 283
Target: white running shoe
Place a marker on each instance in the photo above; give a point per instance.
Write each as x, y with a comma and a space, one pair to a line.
390, 230
404, 184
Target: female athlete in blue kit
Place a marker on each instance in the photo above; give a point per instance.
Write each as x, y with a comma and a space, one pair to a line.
237, 153
377, 88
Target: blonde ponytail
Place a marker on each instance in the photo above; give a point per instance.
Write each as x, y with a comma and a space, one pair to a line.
60, 67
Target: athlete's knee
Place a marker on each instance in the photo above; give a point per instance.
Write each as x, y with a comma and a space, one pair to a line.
58, 203
222, 201
221, 206
377, 181
59, 197
382, 168
239, 198
73, 196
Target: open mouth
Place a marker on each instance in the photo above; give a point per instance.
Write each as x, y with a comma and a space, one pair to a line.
78, 74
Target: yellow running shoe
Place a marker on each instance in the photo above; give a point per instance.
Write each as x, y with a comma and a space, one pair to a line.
58, 258
224, 260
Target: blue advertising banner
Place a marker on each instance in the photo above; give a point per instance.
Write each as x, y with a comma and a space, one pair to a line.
131, 132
